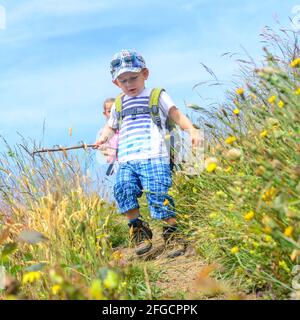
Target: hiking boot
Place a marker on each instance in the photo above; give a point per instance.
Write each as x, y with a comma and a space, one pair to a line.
174, 241
140, 237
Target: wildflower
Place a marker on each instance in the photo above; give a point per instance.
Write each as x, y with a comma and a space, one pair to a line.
195, 190
268, 238
117, 255
213, 215
272, 99
56, 289
249, 215
288, 231
295, 62
96, 290
171, 192
240, 91
112, 280
31, 277
228, 169
230, 140
211, 164
236, 111
221, 194
211, 167
297, 91
234, 250
267, 230
166, 202
280, 104
268, 195
282, 264
264, 133
70, 132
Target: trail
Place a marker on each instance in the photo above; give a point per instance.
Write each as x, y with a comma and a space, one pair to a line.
181, 278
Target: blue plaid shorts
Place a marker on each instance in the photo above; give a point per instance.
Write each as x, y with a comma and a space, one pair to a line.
153, 176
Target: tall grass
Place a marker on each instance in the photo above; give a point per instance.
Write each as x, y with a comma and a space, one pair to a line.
244, 208
58, 237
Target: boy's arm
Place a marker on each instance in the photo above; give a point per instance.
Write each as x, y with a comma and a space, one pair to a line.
185, 124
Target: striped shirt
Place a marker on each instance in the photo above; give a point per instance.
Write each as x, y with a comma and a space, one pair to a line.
140, 138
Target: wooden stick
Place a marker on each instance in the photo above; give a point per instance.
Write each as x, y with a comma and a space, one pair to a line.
83, 146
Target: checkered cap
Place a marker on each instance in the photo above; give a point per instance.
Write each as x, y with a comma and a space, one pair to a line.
126, 61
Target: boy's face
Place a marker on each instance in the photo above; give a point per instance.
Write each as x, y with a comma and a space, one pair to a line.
132, 83
107, 109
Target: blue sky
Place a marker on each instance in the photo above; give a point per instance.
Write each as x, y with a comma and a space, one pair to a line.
54, 56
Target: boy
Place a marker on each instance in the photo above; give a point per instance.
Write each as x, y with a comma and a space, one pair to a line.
142, 152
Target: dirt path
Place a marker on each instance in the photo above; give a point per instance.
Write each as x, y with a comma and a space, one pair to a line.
184, 277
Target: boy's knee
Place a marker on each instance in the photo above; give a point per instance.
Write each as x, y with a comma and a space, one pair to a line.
126, 189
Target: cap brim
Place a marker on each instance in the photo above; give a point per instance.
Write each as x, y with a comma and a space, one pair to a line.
123, 70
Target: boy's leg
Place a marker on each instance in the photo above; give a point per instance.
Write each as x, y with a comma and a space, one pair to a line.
156, 180
126, 191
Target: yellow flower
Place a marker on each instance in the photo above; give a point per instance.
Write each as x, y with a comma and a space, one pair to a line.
288, 231
117, 255
171, 192
56, 289
297, 91
70, 132
213, 215
272, 99
295, 63
166, 202
234, 250
239, 91
230, 140
195, 190
112, 280
267, 230
268, 195
282, 264
236, 111
31, 277
211, 167
280, 104
264, 133
96, 290
268, 238
211, 164
228, 169
249, 215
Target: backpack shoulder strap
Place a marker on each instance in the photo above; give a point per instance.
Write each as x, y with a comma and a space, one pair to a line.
118, 104
153, 105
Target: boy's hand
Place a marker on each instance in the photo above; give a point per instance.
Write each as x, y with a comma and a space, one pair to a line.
196, 137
